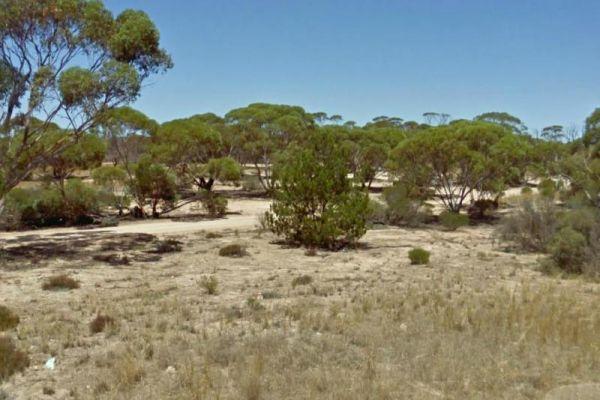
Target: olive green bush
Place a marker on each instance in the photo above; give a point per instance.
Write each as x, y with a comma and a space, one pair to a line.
315, 203
452, 221
419, 256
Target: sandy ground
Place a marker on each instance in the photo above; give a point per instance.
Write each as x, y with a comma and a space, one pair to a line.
168, 325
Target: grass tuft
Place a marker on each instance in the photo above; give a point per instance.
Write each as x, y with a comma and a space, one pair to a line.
60, 282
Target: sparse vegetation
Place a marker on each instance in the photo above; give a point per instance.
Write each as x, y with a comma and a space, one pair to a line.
452, 221
419, 256
302, 280
100, 323
210, 284
60, 282
12, 360
8, 319
233, 250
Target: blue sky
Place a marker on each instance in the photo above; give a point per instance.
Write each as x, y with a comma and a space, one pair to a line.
539, 60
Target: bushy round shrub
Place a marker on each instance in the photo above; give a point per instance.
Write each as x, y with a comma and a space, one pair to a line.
315, 203
568, 250
404, 205
419, 256
452, 221
8, 319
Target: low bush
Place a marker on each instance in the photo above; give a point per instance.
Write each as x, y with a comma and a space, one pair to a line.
404, 206
482, 209
526, 191
210, 284
100, 323
568, 250
75, 204
452, 221
233, 250
60, 282
532, 226
547, 188
302, 280
419, 256
12, 360
214, 204
213, 235
167, 246
112, 259
109, 222
8, 319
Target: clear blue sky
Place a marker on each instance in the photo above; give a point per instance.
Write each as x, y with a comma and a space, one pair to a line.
539, 60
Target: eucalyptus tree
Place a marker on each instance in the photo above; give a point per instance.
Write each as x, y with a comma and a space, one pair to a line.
459, 161
504, 119
66, 62
435, 118
265, 130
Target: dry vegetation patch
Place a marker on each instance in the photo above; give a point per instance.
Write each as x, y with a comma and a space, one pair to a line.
354, 324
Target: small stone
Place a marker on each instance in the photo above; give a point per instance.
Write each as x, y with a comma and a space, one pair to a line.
170, 370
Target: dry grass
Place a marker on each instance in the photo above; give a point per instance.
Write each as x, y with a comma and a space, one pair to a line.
8, 319
233, 250
60, 282
478, 323
101, 322
12, 360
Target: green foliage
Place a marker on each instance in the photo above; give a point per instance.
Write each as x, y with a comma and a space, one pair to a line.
315, 203
12, 360
113, 181
74, 204
503, 119
73, 63
214, 204
460, 160
266, 129
8, 319
419, 256
568, 250
154, 182
452, 220
547, 188
404, 205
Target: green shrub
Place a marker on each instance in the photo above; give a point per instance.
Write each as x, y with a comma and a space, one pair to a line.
404, 205
210, 284
302, 280
233, 250
214, 204
315, 203
8, 319
60, 282
452, 221
547, 188
419, 256
526, 191
532, 226
568, 250
33, 208
12, 360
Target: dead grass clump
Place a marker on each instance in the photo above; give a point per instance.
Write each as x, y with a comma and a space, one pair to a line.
302, 280
112, 259
210, 284
100, 323
167, 246
233, 250
8, 319
12, 360
213, 235
60, 282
